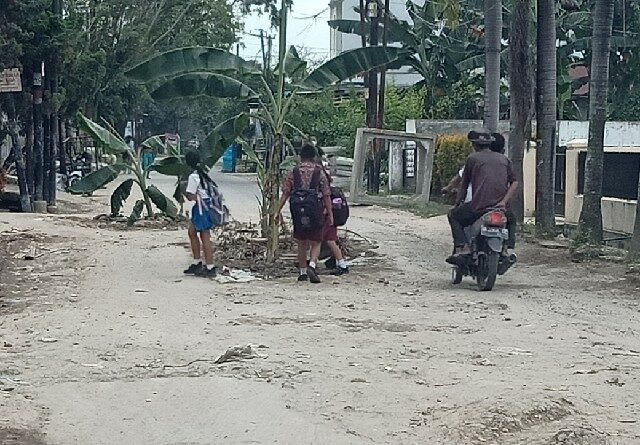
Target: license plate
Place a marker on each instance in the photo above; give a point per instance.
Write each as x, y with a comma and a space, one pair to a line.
497, 232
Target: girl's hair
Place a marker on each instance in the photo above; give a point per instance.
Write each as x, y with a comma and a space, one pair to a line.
193, 159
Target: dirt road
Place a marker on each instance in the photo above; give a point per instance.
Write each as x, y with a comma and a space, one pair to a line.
103, 341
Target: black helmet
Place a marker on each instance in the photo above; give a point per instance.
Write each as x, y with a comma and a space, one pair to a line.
481, 137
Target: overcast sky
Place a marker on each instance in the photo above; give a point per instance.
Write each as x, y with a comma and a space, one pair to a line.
307, 27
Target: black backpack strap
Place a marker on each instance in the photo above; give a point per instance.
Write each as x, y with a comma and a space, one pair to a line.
297, 179
315, 179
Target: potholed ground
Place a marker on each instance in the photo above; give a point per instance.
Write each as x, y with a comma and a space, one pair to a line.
104, 341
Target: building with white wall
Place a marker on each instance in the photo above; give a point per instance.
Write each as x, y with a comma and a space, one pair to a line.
341, 42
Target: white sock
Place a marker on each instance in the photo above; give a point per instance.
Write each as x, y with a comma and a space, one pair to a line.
303, 271
197, 262
312, 264
342, 264
210, 267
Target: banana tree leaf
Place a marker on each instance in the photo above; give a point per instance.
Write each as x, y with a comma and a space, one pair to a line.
478, 61
97, 179
353, 27
294, 67
162, 202
396, 33
155, 143
351, 63
119, 196
202, 84
178, 193
136, 213
223, 135
111, 142
189, 60
171, 166
401, 31
575, 19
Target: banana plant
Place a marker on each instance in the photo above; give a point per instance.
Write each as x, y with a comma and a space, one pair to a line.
112, 143
211, 150
202, 71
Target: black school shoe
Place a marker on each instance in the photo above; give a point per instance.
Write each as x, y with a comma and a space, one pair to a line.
192, 269
340, 271
313, 276
205, 272
302, 278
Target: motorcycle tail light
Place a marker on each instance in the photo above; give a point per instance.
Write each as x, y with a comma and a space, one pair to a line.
495, 219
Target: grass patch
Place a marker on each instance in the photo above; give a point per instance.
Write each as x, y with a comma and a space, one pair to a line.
429, 210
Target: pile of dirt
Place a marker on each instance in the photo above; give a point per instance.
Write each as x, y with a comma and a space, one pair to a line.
104, 221
240, 246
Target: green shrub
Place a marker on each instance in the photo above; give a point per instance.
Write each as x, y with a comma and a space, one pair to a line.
451, 152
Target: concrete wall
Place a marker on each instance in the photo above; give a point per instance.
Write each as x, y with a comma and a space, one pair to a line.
616, 134
618, 215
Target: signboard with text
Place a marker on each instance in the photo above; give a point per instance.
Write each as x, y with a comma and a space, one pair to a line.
10, 81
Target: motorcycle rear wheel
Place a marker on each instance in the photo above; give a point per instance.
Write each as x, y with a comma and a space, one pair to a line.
487, 271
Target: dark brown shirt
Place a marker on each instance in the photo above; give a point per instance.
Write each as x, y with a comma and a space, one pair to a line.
306, 171
490, 175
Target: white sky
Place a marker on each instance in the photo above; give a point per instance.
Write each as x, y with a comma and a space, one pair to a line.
303, 30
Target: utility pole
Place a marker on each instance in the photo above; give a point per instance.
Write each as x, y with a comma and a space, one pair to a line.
264, 54
372, 108
383, 71
372, 100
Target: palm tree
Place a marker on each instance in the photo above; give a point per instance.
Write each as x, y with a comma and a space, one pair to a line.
520, 94
493, 37
546, 117
590, 224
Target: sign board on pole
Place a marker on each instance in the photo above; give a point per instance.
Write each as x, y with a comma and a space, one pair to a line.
10, 81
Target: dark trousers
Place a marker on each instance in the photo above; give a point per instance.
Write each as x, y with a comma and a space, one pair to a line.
464, 216
459, 218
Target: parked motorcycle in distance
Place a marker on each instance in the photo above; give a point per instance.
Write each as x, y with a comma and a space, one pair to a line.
80, 167
488, 237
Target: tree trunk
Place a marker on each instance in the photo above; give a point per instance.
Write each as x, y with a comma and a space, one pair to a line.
29, 138
520, 94
271, 184
493, 35
38, 143
271, 188
25, 199
546, 118
590, 224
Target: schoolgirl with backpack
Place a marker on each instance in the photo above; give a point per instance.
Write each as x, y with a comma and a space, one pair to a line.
208, 212
307, 190
340, 213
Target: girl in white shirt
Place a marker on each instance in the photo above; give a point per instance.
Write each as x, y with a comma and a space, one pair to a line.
201, 223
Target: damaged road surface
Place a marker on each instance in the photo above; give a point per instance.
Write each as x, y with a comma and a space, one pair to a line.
104, 341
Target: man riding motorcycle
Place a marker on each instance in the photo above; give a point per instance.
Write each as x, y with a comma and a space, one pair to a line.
493, 184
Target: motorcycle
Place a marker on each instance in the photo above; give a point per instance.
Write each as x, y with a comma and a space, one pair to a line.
488, 237
80, 167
